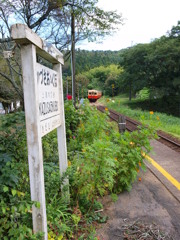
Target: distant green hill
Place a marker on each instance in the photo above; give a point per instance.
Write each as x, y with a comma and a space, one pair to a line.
86, 60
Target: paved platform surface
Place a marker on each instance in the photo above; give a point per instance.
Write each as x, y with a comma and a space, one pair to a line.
169, 160
153, 200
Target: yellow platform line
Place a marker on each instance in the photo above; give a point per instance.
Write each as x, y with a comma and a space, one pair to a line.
163, 171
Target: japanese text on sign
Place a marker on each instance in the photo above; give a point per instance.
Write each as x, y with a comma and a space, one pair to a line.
49, 105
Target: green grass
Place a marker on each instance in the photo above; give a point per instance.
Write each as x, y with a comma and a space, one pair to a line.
160, 121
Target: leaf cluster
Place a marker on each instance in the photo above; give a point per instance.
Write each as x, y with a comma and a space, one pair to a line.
15, 200
153, 65
104, 161
101, 162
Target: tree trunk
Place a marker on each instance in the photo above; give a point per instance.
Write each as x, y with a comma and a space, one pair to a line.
130, 90
73, 58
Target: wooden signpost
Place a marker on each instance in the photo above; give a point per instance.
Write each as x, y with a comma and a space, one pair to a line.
122, 123
44, 110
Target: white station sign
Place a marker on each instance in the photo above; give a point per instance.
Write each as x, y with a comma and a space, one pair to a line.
44, 104
49, 99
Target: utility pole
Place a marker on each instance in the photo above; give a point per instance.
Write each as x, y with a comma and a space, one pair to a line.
73, 58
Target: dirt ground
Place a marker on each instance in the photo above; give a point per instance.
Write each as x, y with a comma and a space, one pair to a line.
150, 201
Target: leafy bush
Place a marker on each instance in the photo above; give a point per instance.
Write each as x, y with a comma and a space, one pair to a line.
72, 118
143, 94
94, 169
101, 161
129, 158
16, 204
15, 211
104, 160
57, 207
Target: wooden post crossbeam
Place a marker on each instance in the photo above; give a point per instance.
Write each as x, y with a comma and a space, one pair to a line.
44, 111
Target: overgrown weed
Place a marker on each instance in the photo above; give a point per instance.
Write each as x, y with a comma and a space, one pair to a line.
101, 162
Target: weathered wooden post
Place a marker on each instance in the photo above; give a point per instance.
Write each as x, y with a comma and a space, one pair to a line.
44, 110
122, 124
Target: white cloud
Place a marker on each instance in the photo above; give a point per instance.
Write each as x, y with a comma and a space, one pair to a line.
145, 21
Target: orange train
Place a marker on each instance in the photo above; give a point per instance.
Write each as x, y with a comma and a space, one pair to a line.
94, 95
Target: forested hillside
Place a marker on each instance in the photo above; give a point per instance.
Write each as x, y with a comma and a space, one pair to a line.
86, 60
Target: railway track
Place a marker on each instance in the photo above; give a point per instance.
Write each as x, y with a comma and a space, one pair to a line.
132, 125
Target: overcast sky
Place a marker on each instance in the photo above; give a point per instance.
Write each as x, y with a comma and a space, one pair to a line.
144, 21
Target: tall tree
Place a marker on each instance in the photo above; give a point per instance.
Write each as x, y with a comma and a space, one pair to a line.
10, 73
135, 66
86, 21
53, 19
156, 66
175, 31
32, 13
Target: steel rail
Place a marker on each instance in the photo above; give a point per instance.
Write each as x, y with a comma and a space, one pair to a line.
169, 140
102, 108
